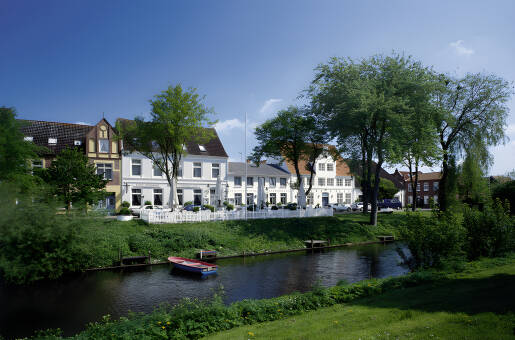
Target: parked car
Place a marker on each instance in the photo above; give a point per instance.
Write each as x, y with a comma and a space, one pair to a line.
340, 207
393, 203
191, 207
359, 206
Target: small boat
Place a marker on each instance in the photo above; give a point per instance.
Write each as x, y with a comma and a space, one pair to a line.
194, 266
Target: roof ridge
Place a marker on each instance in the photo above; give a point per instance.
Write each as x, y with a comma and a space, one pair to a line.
61, 123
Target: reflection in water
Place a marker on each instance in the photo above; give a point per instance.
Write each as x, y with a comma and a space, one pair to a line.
73, 302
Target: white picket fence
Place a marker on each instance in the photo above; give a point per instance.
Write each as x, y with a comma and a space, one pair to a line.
161, 216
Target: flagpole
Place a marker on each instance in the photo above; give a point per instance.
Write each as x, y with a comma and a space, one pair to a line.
245, 160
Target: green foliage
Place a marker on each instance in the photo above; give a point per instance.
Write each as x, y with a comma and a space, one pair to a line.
229, 207
505, 192
472, 185
431, 240
490, 232
178, 116
74, 179
148, 203
210, 207
188, 203
124, 211
126, 204
386, 189
36, 242
196, 209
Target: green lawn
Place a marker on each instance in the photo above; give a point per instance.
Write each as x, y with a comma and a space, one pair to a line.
103, 238
477, 305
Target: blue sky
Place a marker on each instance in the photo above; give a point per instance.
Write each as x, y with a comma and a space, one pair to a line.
72, 61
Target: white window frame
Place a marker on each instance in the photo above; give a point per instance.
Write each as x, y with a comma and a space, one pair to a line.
272, 182
321, 166
339, 182
426, 186
348, 182
157, 192
105, 167
321, 181
100, 141
197, 165
330, 167
239, 179
339, 198
281, 180
215, 167
138, 163
330, 182
154, 168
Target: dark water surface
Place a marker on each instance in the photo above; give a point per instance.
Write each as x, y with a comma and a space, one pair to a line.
73, 302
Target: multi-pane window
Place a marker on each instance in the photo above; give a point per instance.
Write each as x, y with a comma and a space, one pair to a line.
339, 182
330, 166
410, 199
309, 200
179, 171
426, 199
418, 186
321, 182
250, 181
197, 169
321, 166
136, 196
347, 198
330, 182
215, 170
136, 167
106, 170
157, 171
272, 182
339, 197
37, 163
409, 187
435, 198
250, 198
426, 186
237, 181
237, 198
435, 186
197, 197
180, 196
348, 182
103, 145
158, 196
282, 181
283, 198
273, 198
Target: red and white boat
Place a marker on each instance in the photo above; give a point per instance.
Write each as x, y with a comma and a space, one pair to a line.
194, 266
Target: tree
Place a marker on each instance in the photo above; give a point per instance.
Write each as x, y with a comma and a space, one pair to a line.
177, 117
365, 103
472, 184
294, 135
386, 189
472, 111
15, 152
74, 180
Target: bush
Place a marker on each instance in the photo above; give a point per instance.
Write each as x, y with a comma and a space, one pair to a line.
126, 204
196, 209
125, 211
210, 207
506, 193
37, 243
433, 239
188, 203
148, 203
489, 232
274, 207
229, 207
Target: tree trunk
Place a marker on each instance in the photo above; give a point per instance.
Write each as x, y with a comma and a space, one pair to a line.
442, 188
375, 191
368, 183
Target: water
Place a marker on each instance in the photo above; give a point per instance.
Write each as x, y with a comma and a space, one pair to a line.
73, 302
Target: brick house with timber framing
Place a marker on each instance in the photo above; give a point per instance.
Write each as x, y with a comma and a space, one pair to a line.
427, 187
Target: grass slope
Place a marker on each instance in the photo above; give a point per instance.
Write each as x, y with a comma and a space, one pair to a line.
474, 305
102, 239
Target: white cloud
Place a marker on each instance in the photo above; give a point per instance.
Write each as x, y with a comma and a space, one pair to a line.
510, 130
460, 49
226, 125
82, 123
269, 105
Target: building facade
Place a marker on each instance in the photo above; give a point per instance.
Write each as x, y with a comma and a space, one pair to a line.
427, 187
276, 183
98, 142
199, 171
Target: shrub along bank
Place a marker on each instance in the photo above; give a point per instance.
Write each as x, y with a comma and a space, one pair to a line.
193, 319
39, 244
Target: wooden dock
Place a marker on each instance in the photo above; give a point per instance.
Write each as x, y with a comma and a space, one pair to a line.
386, 238
316, 243
134, 260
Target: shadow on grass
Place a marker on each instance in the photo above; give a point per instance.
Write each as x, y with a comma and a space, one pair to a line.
494, 294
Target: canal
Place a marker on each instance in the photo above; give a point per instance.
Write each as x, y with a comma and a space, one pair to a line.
72, 302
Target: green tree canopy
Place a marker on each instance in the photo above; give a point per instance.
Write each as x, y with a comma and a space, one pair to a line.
74, 180
177, 117
472, 113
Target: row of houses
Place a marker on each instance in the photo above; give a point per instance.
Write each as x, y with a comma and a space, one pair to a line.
133, 178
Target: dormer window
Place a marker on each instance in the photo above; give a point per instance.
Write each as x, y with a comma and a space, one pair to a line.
202, 148
28, 139
77, 143
52, 141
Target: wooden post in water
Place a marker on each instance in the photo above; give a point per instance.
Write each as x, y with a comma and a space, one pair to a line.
201, 254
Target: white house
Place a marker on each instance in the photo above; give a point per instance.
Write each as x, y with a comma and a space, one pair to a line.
332, 182
197, 179
276, 180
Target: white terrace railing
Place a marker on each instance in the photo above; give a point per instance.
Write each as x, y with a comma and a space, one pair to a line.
161, 216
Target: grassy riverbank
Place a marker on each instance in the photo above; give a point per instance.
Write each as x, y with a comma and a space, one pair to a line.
477, 303
102, 239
